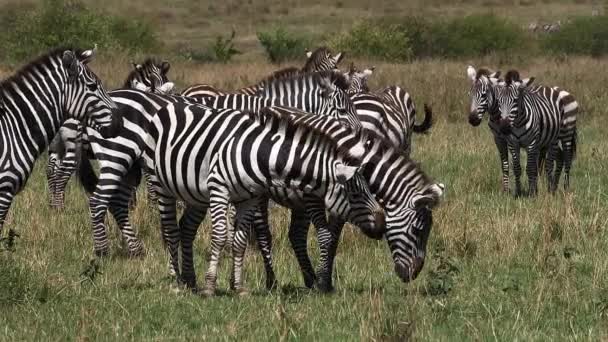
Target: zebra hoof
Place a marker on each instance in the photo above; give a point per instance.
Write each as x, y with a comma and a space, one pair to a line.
324, 287
309, 281
102, 253
271, 284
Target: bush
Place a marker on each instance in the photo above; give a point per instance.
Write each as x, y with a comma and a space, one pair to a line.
374, 40
223, 48
62, 23
475, 35
581, 36
282, 46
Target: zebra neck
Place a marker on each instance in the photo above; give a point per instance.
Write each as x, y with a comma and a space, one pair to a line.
33, 106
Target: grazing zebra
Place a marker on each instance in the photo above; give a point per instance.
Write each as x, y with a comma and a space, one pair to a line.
318, 93
539, 119
408, 233
151, 76
33, 104
243, 158
319, 60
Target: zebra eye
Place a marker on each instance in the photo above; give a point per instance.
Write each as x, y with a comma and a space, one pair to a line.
92, 86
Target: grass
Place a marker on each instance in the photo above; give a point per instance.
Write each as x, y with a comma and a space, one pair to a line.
497, 267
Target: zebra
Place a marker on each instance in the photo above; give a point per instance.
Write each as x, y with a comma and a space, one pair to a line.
538, 118
320, 93
484, 95
384, 163
150, 76
358, 79
33, 104
319, 60
268, 152
483, 100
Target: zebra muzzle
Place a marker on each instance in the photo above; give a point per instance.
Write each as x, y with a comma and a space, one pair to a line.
504, 125
474, 119
410, 273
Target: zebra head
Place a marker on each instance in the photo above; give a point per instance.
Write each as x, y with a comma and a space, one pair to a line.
358, 79
408, 226
509, 97
337, 103
85, 98
151, 76
481, 93
321, 59
365, 211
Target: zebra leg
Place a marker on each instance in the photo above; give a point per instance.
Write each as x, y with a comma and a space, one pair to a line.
516, 168
569, 146
6, 199
552, 156
244, 218
152, 195
169, 231
219, 208
264, 240
119, 208
559, 165
188, 227
532, 168
325, 273
298, 236
503, 152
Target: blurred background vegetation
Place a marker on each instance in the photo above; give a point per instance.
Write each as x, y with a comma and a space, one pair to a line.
207, 31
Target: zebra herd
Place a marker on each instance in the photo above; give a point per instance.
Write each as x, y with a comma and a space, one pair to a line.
315, 140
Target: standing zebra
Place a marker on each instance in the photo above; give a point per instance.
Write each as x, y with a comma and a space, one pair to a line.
240, 158
319, 93
34, 103
484, 95
319, 60
408, 221
150, 76
539, 119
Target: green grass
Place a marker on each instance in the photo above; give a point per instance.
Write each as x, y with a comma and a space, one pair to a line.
497, 267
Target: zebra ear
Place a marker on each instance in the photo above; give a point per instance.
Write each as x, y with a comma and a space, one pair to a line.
70, 62
87, 55
344, 172
165, 66
495, 74
526, 82
136, 66
308, 54
338, 57
429, 197
368, 72
471, 73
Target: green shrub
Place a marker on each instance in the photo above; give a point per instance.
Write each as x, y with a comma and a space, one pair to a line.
63, 23
374, 40
281, 45
580, 36
475, 35
223, 48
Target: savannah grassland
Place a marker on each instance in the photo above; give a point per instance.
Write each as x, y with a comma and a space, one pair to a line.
497, 267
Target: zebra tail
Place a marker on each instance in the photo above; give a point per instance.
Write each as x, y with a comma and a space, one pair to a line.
424, 127
574, 138
86, 175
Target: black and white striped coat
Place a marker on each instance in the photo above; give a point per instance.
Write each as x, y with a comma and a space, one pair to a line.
241, 158
64, 152
35, 101
319, 60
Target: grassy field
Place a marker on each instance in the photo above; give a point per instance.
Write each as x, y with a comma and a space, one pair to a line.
497, 267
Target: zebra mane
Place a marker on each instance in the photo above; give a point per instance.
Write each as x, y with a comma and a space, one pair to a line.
17, 78
347, 142
320, 78
512, 76
319, 53
482, 72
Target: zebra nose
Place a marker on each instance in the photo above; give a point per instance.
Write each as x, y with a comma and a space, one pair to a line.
410, 273
474, 119
377, 230
505, 125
